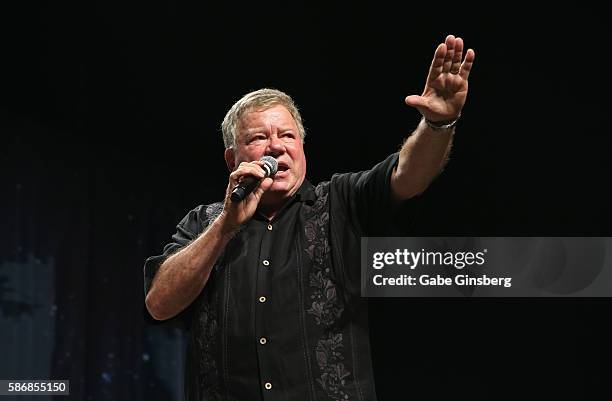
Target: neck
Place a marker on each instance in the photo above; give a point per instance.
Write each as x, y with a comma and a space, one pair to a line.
271, 206
268, 214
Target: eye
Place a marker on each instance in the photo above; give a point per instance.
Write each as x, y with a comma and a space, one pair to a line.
257, 138
288, 135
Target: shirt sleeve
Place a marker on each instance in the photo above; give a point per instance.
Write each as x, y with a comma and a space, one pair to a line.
365, 198
187, 230
361, 206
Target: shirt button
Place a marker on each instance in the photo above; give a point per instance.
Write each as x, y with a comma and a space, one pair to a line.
266, 263
262, 299
268, 386
263, 341
269, 227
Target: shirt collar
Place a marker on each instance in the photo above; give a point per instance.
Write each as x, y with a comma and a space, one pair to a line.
306, 193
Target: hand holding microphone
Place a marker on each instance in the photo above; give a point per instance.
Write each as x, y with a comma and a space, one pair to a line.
249, 183
249, 178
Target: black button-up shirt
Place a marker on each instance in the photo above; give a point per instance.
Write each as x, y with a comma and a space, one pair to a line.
280, 317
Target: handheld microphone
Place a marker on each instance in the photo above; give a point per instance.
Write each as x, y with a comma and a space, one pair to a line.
249, 183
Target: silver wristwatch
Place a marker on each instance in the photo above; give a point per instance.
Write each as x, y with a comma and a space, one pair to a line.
437, 126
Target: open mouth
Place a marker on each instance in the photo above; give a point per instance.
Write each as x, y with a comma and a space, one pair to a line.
282, 167
281, 173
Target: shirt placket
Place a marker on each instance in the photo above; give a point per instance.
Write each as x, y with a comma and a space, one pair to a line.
263, 340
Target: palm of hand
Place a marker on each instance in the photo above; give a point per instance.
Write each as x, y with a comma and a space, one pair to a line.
446, 87
445, 97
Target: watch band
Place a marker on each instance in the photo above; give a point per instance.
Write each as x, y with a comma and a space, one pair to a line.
438, 126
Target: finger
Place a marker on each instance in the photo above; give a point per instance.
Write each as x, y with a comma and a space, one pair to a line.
253, 163
416, 101
256, 164
466, 67
450, 51
259, 164
457, 56
245, 170
437, 64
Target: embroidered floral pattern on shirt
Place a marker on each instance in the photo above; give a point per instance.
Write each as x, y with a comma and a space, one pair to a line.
206, 331
205, 336
325, 305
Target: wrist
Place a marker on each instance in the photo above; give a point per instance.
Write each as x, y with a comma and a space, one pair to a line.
441, 125
226, 227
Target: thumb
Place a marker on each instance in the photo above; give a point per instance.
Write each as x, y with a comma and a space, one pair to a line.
416, 101
265, 184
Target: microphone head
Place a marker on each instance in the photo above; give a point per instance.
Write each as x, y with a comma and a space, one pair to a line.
270, 165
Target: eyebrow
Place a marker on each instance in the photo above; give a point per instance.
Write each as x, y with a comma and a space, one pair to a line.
262, 129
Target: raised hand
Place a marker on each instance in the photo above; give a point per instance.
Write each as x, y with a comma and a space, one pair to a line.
446, 87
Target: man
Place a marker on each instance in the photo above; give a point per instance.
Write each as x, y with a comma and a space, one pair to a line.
271, 283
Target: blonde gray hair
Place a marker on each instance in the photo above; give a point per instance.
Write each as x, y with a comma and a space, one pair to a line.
261, 99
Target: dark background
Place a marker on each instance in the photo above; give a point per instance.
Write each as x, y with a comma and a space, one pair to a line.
109, 119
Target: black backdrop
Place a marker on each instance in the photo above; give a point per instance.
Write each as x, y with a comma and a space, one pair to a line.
110, 116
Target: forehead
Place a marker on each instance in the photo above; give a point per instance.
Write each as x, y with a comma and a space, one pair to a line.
263, 117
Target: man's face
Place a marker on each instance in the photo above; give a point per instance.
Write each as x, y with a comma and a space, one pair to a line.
271, 132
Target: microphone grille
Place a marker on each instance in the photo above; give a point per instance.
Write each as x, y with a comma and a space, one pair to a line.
271, 163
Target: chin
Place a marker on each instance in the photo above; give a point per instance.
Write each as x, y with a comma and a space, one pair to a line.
278, 188
281, 187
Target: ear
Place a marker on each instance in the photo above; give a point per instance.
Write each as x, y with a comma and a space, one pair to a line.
230, 159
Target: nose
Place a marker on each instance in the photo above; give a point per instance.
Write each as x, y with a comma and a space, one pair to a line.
276, 147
